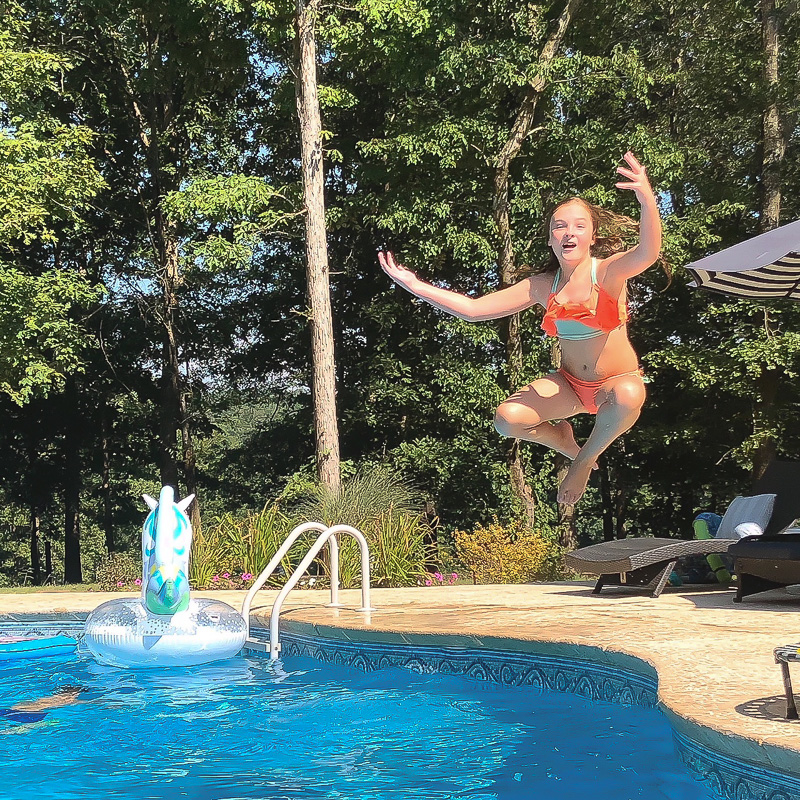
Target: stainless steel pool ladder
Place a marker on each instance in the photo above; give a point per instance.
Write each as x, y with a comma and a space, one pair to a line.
327, 535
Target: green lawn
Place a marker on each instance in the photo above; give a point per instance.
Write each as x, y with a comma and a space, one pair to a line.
70, 587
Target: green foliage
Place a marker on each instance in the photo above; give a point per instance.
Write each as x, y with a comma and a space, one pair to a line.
508, 554
40, 342
48, 179
119, 571
242, 544
46, 176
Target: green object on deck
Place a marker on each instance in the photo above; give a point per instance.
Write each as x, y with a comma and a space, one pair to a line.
701, 531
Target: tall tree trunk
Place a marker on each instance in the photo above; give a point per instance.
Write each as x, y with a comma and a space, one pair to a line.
105, 480
774, 143
774, 149
169, 412
189, 462
567, 523
48, 562
323, 369
152, 116
764, 421
72, 486
36, 564
607, 502
501, 208
622, 503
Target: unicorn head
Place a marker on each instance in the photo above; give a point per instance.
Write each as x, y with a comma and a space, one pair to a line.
166, 541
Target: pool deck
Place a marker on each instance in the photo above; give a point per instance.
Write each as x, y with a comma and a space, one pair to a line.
717, 678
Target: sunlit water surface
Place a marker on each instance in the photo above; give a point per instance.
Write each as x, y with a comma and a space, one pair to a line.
242, 729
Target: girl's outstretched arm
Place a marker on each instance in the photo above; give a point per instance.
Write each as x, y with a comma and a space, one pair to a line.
639, 258
502, 303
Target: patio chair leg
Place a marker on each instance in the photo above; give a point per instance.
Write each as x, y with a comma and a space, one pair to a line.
791, 708
598, 586
662, 579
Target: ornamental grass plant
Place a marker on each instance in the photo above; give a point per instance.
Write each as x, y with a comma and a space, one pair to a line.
384, 507
376, 502
241, 545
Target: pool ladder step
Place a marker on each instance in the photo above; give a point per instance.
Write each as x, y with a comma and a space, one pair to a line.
256, 645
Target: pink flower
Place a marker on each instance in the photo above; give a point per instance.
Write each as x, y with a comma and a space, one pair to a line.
428, 582
438, 575
226, 575
138, 581
247, 576
120, 584
215, 579
454, 576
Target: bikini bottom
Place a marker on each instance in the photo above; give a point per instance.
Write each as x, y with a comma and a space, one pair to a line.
587, 390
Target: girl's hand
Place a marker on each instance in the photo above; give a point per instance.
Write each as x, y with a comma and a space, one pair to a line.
397, 272
637, 177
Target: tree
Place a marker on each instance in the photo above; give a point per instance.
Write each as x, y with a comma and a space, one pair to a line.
323, 370
509, 273
47, 181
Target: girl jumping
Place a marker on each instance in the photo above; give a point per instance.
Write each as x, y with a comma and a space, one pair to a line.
584, 298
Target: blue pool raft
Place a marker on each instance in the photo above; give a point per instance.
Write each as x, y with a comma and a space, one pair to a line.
43, 647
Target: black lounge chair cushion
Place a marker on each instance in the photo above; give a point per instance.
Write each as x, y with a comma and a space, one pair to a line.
766, 562
781, 478
782, 547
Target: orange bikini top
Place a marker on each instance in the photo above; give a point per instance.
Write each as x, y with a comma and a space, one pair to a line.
598, 315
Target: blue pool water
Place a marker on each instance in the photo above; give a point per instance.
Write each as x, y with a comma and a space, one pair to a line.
241, 729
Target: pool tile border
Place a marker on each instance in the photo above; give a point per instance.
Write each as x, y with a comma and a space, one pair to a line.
551, 673
728, 779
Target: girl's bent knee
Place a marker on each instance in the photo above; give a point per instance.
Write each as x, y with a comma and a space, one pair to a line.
512, 419
629, 394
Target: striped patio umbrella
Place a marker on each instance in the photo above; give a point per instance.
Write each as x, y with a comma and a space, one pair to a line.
762, 268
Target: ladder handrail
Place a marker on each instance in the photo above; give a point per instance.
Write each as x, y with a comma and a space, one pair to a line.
327, 535
276, 559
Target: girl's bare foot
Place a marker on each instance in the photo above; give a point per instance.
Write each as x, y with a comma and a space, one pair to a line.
570, 447
574, 484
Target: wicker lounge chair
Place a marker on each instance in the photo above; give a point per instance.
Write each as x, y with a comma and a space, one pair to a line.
762, 562
640, 562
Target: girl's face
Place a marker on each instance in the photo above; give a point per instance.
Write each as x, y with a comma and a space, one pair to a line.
571, 233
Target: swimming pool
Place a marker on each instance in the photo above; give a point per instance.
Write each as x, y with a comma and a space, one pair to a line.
243, 729
352, 719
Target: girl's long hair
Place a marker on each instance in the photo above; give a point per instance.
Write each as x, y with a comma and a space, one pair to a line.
612, 233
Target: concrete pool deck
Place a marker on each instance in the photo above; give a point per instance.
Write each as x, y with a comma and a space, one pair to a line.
717, 678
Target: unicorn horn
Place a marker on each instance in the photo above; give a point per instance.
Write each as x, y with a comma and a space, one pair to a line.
185, 503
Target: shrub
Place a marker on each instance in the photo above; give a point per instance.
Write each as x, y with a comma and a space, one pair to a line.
511, 554
119, 571
399, 545
237, 546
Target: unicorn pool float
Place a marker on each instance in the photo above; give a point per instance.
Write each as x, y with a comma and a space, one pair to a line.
165, 626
